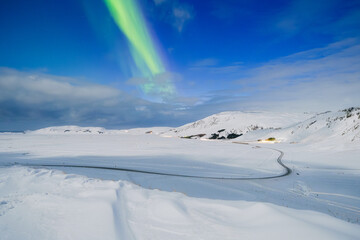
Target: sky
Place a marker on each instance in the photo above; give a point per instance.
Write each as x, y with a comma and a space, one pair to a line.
121, 63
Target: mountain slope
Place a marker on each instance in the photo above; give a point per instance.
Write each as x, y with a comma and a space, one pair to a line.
96, 130
341, 126
226, 123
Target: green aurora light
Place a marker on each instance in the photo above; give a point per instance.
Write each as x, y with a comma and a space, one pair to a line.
129, 19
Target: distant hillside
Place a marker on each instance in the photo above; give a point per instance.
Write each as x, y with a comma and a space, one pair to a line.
70, 130
96, 130
341, 126
223, 124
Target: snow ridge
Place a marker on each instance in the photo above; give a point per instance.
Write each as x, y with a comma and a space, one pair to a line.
226, 123
96, 130
344, 125
70, 130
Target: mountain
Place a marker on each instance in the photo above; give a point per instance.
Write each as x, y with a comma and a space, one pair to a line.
337, 127
236, 123
97, 130
334, 127
343, 125
69, 130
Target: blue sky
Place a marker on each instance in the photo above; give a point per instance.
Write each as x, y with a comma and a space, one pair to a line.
66, 62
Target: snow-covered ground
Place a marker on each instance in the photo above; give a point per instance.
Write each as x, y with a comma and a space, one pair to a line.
320, 199
146, 152
48, 204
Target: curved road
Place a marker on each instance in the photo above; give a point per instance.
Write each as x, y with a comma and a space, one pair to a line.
287, 169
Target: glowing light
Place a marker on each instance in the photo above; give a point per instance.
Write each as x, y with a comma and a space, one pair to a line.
129, 19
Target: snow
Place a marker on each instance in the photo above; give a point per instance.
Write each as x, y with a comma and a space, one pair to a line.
145, 152
48, 204
237, 122
70, 130
329, 128
320, 199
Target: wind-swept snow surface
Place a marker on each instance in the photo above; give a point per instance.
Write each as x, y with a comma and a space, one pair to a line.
47, 204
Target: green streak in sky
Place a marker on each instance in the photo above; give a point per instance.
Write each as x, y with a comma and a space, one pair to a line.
129, 19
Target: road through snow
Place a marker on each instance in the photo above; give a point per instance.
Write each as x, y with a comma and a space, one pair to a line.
287, 169
210, 169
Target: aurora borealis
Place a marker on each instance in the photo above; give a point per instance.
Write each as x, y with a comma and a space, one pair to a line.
128, 17
134, 63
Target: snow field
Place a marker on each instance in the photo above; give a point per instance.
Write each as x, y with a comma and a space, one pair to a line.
48, 204
145, 152
317, 201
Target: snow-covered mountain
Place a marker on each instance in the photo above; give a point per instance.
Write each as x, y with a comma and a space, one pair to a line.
338, 127
344, 125
223, 124
70, 130
97, 130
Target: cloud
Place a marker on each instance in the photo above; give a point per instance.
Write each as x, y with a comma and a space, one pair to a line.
326, 78
174, 12
161, 86
181, 15
31, 100
314, 80
159, 91
35, 88
337, 62
320, 79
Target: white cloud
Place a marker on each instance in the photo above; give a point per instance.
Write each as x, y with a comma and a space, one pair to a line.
320, 79
38, 88
337, 62
33, 100
174, 13
181, 15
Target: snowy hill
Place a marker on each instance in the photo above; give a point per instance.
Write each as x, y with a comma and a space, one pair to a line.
97, 130
337, 127
343, 126
239, 123
70, 130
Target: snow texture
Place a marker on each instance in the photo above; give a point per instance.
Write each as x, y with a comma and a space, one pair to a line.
48, 204
319, 200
